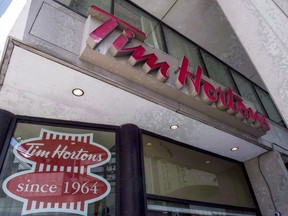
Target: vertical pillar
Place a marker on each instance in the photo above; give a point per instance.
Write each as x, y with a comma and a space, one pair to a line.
5, 121
269, 179
132, 200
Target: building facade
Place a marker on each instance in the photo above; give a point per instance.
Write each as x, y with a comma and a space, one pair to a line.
145, 108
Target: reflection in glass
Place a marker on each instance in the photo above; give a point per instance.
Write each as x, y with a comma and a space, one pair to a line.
270, 107
218, 71
178, 172
12, 164
178, 47
246, 90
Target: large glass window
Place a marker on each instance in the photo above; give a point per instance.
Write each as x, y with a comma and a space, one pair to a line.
246, 90
218, 71
82, 6
140, 20
58, 169
178, 47
126, 12
178, 172
269, 106
161, 37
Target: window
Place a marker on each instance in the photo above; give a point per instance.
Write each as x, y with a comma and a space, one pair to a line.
140, 20
218, 71
178, 47
162, 37
178, 172
82, 6
246, 90
42, 182
269, 106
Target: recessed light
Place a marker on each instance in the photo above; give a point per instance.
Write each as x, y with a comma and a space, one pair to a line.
174, 127
234, 149
78, 92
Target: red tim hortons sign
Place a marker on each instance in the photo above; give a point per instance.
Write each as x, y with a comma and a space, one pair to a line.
60, 179
118, 47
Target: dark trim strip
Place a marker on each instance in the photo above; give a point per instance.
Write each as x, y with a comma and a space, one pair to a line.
198, 203
132, 200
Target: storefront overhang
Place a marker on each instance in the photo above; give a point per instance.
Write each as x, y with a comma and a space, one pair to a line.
34, 77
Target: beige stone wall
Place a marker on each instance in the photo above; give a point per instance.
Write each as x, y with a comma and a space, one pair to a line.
269, 179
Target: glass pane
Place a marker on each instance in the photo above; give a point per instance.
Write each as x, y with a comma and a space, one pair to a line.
246, 90
269, 105
58, 169
218, 71
82, 6
140, 20
178, 47
162, 208
175, 171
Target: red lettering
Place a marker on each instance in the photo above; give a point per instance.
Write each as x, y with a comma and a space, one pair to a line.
257, 121
226, 100
208, 93
265, 125
101, 32
186, 77
110, 24
137, 56
242, 111
104, 16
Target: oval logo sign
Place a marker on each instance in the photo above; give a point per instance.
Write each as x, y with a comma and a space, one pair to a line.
60, 179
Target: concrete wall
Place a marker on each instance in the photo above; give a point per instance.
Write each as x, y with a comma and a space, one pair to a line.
262, 28
268, 172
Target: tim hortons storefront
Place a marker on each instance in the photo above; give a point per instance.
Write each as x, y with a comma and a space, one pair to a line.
80, 156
